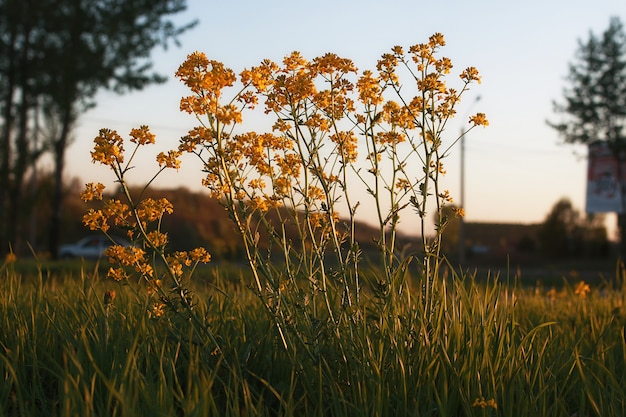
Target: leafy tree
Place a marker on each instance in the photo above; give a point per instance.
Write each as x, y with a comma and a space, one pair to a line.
565, 233
556, 234
54, 58
594, 106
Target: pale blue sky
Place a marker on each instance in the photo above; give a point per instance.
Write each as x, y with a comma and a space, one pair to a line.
516, 169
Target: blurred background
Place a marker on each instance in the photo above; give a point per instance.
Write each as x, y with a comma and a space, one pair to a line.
69, 69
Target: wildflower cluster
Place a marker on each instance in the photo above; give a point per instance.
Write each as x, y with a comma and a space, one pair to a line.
582, 289
141, 219
482, 403
331, 130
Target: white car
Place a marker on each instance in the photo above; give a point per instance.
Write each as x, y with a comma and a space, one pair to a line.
91, 247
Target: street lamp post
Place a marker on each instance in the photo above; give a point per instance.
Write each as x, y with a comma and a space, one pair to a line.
462, 202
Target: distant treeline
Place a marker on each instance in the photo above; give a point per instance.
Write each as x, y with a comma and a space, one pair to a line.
199, 220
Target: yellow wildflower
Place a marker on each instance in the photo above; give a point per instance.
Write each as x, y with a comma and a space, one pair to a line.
176, 268
170, 160
431, 83
157, 238
330, 63
386, 67
281, 186
403, 184
552, 294
142, 136
10, 258
228, 114
108, 148
423, 55
156, 310
436, 40
479, 119
151, 210
369, 89
144, 269
347, 145
445, 196
316, 219
289, 164
259, 77
205, 76
470, 74
196, 136
153, 286
95, 220
259, 203
192, 105
200, 255
182, 257
315, 193
443, 65
582, 289
256, 183
115, 208
125, 256
118, 274
281, 125
482, 403
92, 191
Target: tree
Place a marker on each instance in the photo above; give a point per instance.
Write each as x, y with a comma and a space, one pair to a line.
594, 106
56, 57
565, 233
556, 235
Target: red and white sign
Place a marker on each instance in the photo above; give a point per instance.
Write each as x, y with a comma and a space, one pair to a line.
603, 183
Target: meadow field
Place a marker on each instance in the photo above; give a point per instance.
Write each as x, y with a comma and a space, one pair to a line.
81, 344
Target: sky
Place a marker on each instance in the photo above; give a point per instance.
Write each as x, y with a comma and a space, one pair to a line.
516, 169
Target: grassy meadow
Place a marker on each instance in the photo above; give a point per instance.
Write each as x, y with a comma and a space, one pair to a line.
69, 347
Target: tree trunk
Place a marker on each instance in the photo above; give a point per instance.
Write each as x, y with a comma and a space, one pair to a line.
5, 144
59, 164
621, 224
22, 149
21, 164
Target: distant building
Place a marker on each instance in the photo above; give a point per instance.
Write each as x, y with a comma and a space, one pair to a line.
500, 243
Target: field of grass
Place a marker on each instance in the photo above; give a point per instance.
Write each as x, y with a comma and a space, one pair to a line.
471, 349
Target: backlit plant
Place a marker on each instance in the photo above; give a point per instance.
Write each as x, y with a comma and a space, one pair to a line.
293, 192
141, 218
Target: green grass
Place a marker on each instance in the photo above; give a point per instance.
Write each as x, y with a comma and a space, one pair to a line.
63, 353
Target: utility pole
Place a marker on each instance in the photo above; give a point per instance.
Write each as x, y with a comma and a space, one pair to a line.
462, 247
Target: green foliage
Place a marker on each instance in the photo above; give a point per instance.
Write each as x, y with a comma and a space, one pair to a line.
54, 58
595, 102
564, 234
